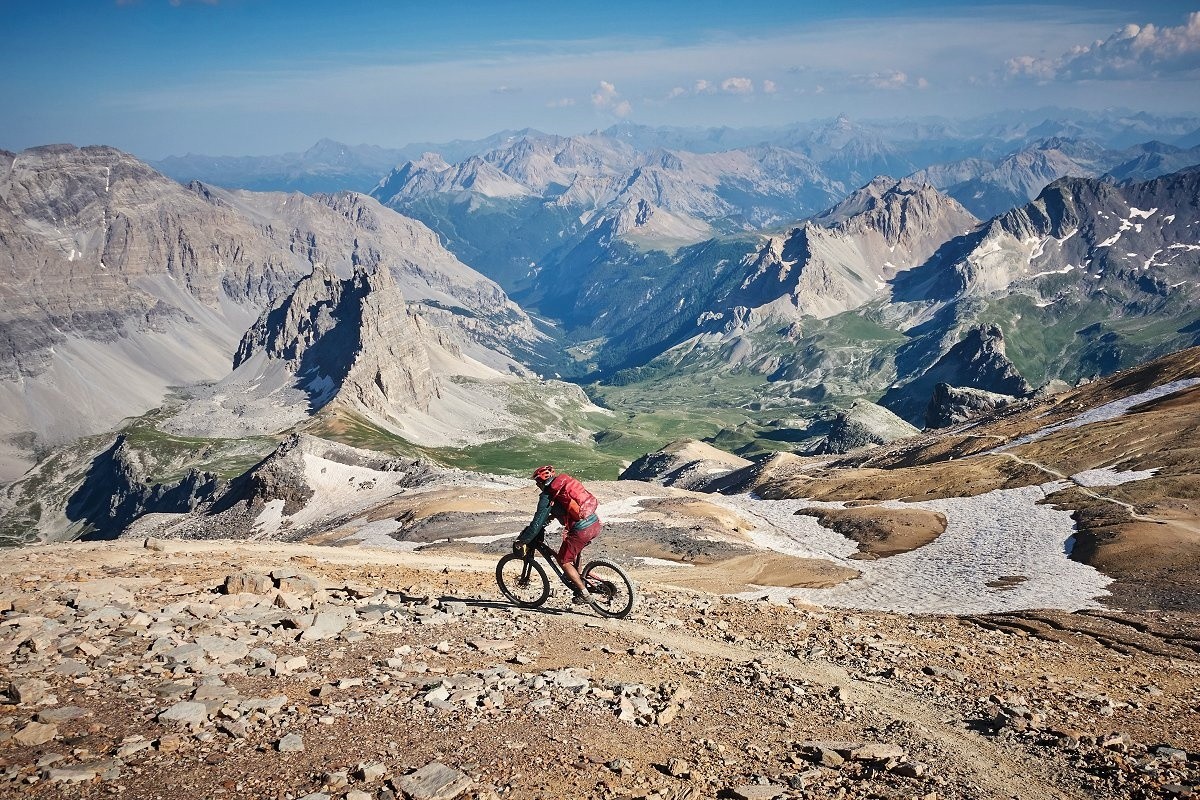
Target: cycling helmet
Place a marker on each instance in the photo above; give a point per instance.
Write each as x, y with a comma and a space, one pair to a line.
543, 474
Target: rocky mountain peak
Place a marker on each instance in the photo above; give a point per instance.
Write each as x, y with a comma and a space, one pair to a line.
977, 361
665, 159
951, 405
890, 204
864, 424
981, 355
354, 338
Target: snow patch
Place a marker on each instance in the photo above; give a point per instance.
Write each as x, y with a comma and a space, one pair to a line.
1106, 476
379, 535
268, 520
650, 561
1062, 271
488, 538
1040, 249
1101, 413
999, 534
1137, 212
340, 489
621, 510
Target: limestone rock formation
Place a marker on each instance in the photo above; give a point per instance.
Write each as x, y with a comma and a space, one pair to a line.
352, 338
864, 424
684, 464
951, 405
845, 257
977, 361
122, 283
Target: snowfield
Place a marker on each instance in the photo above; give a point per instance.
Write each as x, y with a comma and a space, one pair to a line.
1003, 536
1101, 413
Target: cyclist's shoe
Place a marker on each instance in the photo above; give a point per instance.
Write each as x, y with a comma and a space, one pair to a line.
581, 599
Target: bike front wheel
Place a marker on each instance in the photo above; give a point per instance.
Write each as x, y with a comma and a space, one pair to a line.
613, 594
522, 581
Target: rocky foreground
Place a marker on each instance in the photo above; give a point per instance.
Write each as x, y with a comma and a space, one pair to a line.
206, 669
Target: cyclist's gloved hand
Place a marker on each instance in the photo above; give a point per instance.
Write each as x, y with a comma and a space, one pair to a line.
519, 547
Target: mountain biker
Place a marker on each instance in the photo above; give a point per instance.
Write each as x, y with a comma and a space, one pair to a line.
574, 507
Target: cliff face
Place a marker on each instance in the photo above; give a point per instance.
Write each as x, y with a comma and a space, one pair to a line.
845, 257
951, 405
977, 361
117, 489
356, 339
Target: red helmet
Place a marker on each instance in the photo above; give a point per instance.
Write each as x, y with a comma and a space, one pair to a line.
543, 474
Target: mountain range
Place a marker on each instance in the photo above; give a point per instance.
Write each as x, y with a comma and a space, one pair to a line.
123, 284
740, 295
327, 166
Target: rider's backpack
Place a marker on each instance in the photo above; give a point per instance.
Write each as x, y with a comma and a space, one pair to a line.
572, 502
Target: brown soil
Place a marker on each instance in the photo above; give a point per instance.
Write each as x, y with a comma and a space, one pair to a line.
748, 572
687, 511
882, 532
925, 482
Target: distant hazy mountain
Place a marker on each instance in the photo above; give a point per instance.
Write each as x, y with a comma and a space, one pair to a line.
535, 205
1152, 159
327, 166
713, 301
513, 210
991, 187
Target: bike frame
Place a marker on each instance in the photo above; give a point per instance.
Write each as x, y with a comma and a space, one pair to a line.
539, 545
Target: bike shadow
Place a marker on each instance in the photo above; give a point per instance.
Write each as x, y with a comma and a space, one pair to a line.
497, 605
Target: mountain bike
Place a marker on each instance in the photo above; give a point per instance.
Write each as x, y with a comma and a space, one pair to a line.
523, 580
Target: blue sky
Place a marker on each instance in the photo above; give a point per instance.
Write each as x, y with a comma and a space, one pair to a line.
159, 77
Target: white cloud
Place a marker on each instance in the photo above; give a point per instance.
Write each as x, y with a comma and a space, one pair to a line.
769, 87
737, 86
678, 91
703, 87
1133, 52
562, 102
608, 99
604, 97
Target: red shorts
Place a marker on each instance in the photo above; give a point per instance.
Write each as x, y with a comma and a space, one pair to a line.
575, 541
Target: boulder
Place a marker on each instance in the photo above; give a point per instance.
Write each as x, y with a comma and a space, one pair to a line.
185, 713
434, 781
35, 733
292, 743
248, 583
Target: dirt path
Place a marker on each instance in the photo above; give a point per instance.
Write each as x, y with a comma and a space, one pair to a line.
995, 771
1087, 491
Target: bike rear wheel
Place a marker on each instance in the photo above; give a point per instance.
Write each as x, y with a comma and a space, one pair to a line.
613, 593
522, 581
